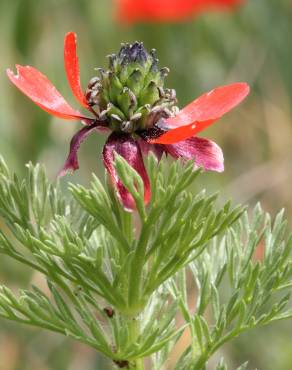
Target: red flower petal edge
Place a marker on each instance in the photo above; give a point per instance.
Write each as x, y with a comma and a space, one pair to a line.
201, 113
42, 92
128, 148
72, 67
205, 152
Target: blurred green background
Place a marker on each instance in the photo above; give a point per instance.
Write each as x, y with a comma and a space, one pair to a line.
252, 44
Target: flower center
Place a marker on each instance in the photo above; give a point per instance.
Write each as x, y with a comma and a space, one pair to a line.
130, 96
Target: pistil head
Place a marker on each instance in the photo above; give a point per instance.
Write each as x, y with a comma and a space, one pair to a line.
130, 95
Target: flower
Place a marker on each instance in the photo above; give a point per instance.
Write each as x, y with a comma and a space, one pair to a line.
131, 11
130, 101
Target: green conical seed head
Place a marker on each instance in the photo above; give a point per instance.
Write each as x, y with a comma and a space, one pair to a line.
129, 93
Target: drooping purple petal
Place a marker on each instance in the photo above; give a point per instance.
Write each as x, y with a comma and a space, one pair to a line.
205, 153
71, 163
129, 149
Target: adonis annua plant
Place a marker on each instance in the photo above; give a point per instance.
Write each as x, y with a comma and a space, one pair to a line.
120, 257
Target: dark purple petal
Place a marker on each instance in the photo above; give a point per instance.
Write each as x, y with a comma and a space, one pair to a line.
156, 149
129, 149
71, 163
206, 153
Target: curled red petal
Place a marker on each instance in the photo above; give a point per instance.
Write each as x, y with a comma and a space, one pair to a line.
129, 149
204, 152
42, 92
131, 11
72, 67
71, 163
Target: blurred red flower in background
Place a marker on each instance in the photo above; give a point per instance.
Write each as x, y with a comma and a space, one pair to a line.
132, 11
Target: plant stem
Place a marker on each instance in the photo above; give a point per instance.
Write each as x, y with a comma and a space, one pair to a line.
201, 363
127, 226
136, 273
134, 331
136, 365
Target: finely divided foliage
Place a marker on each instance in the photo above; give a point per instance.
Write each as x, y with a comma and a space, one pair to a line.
118, 285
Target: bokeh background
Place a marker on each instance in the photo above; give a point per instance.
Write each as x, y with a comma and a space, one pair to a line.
252, 43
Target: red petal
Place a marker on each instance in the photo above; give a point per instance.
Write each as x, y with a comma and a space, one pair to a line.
206, 153
201, 113
42, 92
129, 149
181, 133
209, 106
168, 10
72, 67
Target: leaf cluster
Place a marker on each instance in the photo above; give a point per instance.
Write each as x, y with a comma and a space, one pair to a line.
93, 258
117, 280
242, 282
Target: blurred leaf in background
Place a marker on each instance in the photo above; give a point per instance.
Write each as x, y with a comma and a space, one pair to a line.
253, 43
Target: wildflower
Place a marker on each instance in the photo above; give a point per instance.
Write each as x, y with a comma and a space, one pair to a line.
130, 101
131, 11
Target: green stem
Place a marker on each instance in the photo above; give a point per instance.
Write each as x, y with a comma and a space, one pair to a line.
127, 226
136, 365
134, 332
201, 363
136, 271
